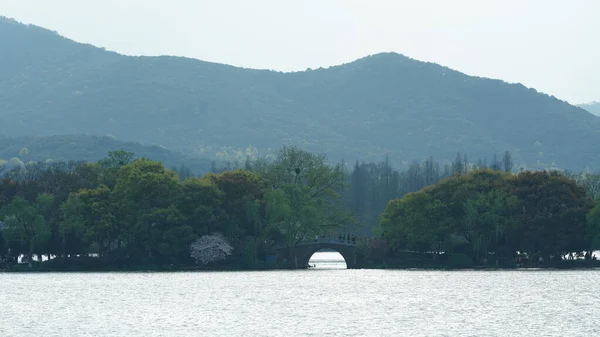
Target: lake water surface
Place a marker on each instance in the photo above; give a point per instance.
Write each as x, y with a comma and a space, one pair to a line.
324, 301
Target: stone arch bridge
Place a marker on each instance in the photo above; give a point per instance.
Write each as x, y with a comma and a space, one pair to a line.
299, 255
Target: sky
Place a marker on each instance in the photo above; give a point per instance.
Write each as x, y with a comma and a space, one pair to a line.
550, 45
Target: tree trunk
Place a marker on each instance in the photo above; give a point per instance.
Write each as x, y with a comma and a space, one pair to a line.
30, 257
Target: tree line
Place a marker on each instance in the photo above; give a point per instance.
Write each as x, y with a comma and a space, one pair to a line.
492, 217
370, 186
128, 212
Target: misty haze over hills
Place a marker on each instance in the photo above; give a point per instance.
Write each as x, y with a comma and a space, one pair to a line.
381, 104
593, 107
91, 148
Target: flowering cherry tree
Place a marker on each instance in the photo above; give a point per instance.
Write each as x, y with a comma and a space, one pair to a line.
210, 248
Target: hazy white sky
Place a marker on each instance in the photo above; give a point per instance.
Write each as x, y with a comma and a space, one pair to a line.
551, 45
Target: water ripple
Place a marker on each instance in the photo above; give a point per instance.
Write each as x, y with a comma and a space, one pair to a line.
302, 303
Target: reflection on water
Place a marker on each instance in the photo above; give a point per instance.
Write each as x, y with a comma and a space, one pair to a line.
327, 260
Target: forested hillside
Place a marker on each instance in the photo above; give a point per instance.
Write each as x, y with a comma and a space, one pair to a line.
22, 150
382, 104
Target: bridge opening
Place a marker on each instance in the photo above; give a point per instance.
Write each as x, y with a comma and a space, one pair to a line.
327, 259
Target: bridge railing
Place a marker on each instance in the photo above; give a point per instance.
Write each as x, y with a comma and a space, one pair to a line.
329, 240
336, 241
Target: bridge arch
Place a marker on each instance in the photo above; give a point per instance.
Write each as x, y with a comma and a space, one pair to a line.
328, 257
304, 251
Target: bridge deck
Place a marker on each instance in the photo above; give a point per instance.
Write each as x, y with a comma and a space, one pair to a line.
335, 242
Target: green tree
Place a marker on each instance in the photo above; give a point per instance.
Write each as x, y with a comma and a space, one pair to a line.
552, 219
112, 164
417, 222
592, 230
296, 215
304, 201
487, 217
24, 224
73, 225
240, 192
199, 201
96, 211
144, 192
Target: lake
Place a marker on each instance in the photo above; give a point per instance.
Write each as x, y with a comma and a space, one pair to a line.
325, 301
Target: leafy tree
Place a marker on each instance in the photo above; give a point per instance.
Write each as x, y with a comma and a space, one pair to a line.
533, 212
73, 225
96, 211
112, 164
304, 201
416, 222
553, 213
24, 224
144, 189
199, 201
296, 215
592, 231
240, 190
487, 217
117, 159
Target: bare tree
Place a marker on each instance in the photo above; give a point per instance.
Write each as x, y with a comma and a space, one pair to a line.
210, 248
591, 183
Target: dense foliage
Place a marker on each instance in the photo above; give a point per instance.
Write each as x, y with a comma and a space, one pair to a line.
491, 215
131, 212
385, 103
371, 185
123, 212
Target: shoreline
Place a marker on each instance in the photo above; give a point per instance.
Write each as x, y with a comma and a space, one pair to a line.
25, 270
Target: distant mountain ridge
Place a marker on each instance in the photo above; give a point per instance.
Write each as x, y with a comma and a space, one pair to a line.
593, 107
381, 104
91, 148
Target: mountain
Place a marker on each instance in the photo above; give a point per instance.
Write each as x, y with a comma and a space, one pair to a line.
593, 107
90, 148
381, 104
